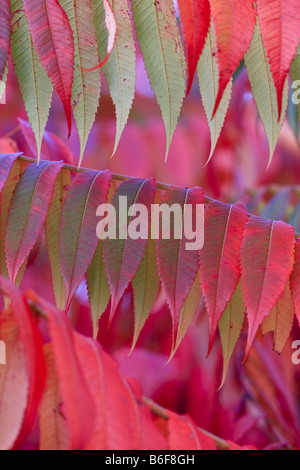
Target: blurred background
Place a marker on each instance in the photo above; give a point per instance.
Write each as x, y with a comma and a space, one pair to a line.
259, 403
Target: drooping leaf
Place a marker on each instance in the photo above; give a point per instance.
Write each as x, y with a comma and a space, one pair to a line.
87, 84
280, 320
98, 287
267, 262
52, 37
279, 22
264, 90
184, 434
53, 148
234, 23
295, 281
31, 341
5, 30
27, 213
160, 42
208, 74
34, 83
189, 310
220, 258
52, 227
78, 237
123, 255
230, 327
78, 402
195, 19
120, 69
53, 427
145, 286
178, 264
14, 382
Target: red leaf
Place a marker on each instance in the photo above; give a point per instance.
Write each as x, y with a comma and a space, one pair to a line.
123, 255
77, 400
27, 214
53, 148
30, 339
234, 23
184, 434
78, 237
280, 27
53, 38
5, 29
195, 19
220, 258
14, 382
295, 281
6, 164
267, 262
178, 266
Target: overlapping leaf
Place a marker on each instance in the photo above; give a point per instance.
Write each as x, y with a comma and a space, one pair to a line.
178, 265
35, 86
120, 70
52, 36
160, 42
208, 74
78, 237
5, 30
234, 24
264, 90
220, 258
280, 27
27, 213
87, 84
195, 19
267, 262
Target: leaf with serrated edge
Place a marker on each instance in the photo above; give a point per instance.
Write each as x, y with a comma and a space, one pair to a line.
178, 266
208, 74
123, 257
87, 84
264, 91
5, 31
160, 42
189, 310
267, 262
52, 226
280, 320
145, 286
120, 69
230, 327
78, 237
52, 36
28, 212
220, 258
35, 86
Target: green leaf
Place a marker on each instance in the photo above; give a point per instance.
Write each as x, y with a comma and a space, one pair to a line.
230, 327
208, 74
98, 287
264, 90
35, 86
160, 42
87, 84
145, 286
52, 236
120, 69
